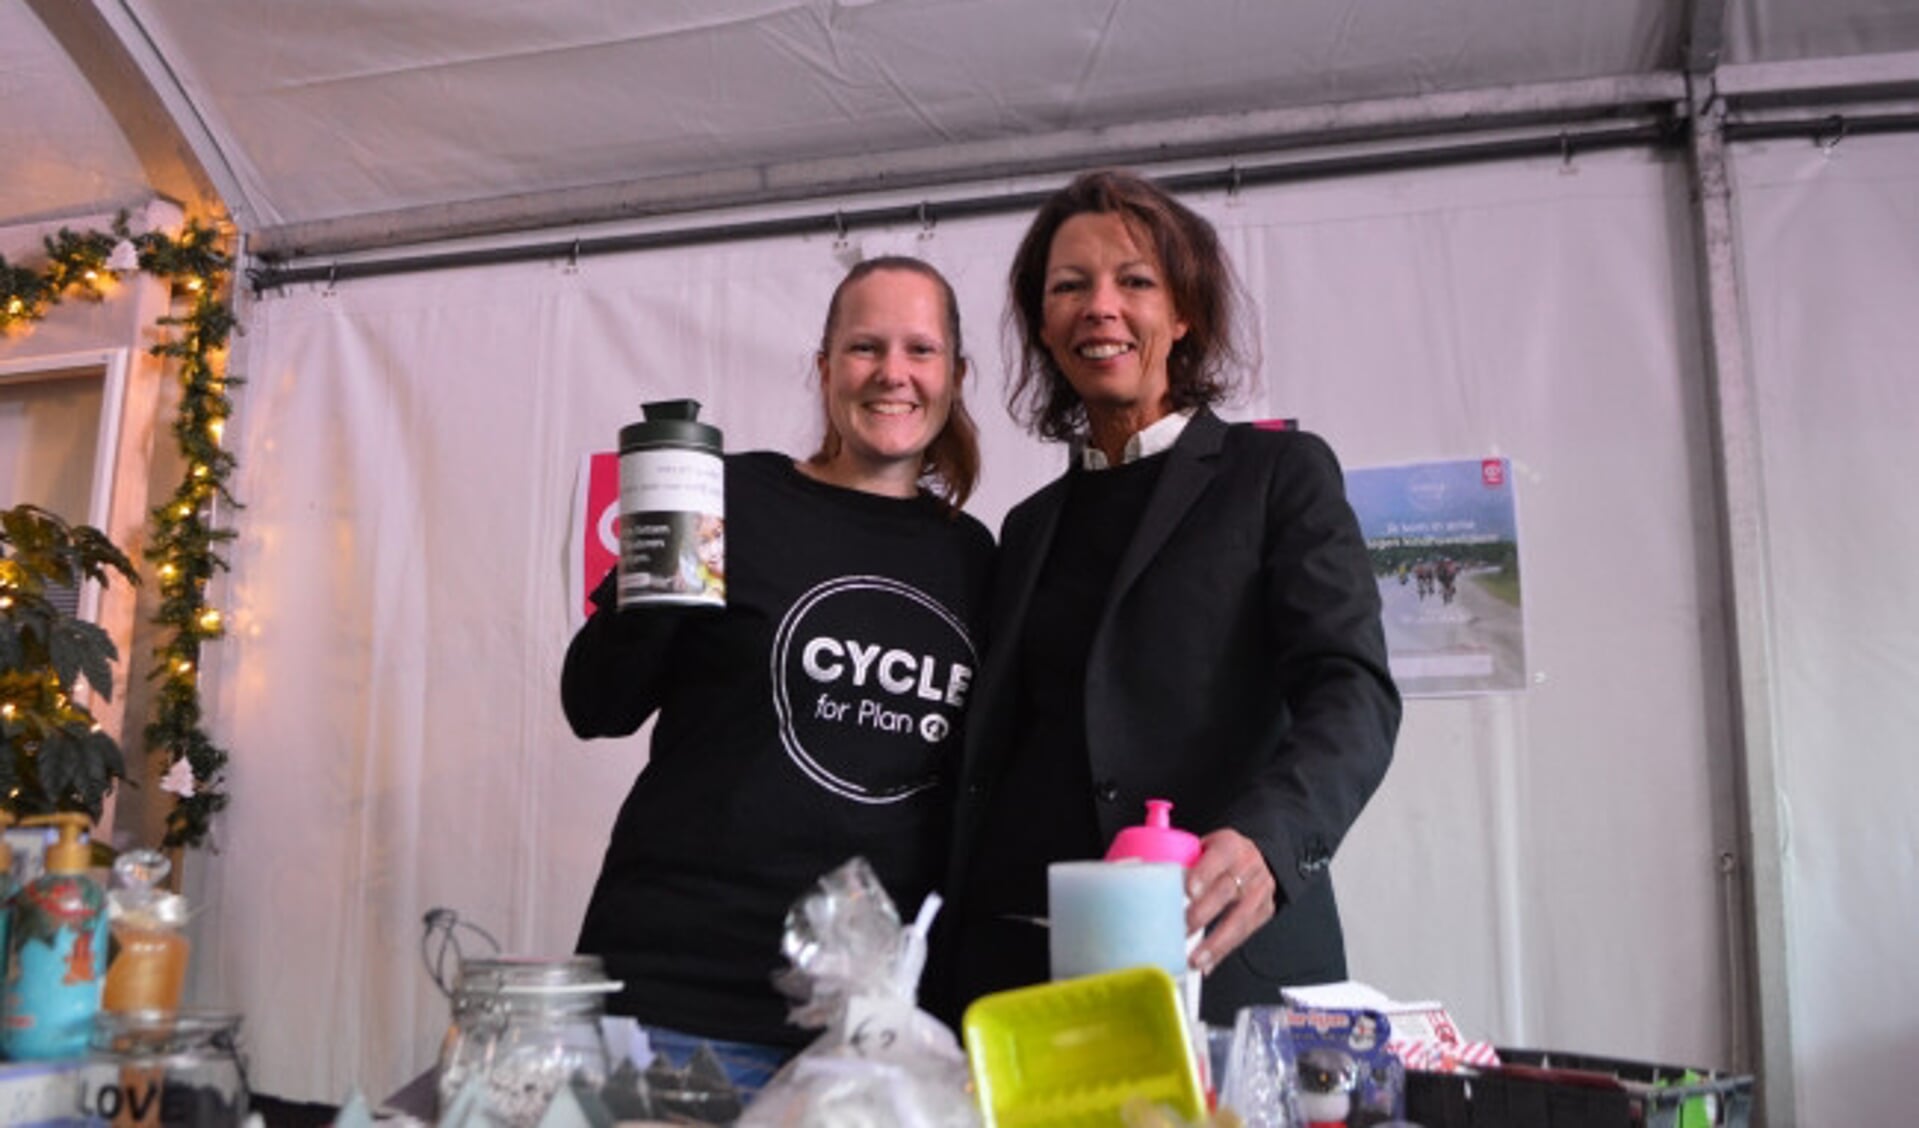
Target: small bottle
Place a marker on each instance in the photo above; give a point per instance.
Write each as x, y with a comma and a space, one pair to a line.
149, 965
56, 952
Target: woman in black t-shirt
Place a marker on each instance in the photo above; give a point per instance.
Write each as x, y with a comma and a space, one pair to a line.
818, 716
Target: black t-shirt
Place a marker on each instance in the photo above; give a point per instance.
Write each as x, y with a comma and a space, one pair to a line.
1042, 810
816, 718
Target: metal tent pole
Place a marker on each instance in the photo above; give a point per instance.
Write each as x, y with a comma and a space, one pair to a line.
1760, 987
269, 275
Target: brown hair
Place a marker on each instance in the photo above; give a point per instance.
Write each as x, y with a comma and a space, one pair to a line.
1197, 278
950, 467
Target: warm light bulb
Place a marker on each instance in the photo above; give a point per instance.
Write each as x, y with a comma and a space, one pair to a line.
183, 510
195, 285
210, 619
91, 276
16, 306
168, 571
6, 601
183, 667
200, 470
216, 428
8, 710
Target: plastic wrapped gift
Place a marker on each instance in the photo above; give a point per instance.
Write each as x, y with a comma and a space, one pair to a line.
855, 972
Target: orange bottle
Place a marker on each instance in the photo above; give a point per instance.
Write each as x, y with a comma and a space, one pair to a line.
148, 970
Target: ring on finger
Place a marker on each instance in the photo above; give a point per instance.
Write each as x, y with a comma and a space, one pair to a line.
1239, 885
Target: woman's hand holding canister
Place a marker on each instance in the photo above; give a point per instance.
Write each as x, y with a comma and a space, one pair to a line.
1229, 895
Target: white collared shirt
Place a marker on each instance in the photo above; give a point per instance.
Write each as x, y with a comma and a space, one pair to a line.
1158, 437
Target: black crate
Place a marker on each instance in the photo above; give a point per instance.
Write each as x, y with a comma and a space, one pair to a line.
1544, 1089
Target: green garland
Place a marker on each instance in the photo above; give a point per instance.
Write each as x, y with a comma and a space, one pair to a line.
185, 543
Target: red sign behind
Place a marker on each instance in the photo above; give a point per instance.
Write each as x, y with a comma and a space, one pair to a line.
601, 527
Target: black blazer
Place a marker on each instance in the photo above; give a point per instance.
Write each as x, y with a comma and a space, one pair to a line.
1238, 669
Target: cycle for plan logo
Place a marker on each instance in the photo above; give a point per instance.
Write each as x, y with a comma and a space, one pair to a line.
869, 678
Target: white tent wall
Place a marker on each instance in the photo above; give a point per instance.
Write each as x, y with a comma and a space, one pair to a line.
1831, 253
1544, 862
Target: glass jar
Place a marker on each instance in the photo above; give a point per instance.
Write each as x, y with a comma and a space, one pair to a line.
523, 1027
164, 1069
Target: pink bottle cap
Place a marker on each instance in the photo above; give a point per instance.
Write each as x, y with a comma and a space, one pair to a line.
1156, 841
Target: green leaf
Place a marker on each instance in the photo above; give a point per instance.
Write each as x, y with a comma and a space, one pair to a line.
96, 554
104, 751
65, 653
34, 617
57, 764
92, 769
97, 653
18, 524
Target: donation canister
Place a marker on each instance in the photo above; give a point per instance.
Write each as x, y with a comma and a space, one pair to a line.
672, 509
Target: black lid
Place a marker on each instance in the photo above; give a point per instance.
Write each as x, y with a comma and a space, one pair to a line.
670, 423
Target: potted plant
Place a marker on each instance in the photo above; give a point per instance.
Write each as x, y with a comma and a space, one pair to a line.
53, 757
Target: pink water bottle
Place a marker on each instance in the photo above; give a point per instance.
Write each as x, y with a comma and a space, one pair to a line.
1156, 840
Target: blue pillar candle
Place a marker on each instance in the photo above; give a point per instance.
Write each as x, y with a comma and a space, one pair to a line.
1106, 916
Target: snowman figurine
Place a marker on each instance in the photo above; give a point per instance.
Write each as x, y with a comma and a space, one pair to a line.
1327, 1079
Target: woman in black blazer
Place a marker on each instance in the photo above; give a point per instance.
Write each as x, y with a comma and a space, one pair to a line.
1187, 613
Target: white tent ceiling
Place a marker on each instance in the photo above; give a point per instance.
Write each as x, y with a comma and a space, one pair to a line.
296, 116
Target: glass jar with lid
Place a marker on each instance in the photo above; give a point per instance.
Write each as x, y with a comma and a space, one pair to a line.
523, 1027
164, 1069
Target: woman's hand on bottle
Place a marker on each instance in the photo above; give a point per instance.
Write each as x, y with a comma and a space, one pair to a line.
1229, 895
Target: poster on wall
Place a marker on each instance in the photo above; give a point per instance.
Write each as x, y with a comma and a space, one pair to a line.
595, 540
1444, 542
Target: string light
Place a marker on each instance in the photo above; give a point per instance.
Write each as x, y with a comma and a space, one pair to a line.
210, 619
